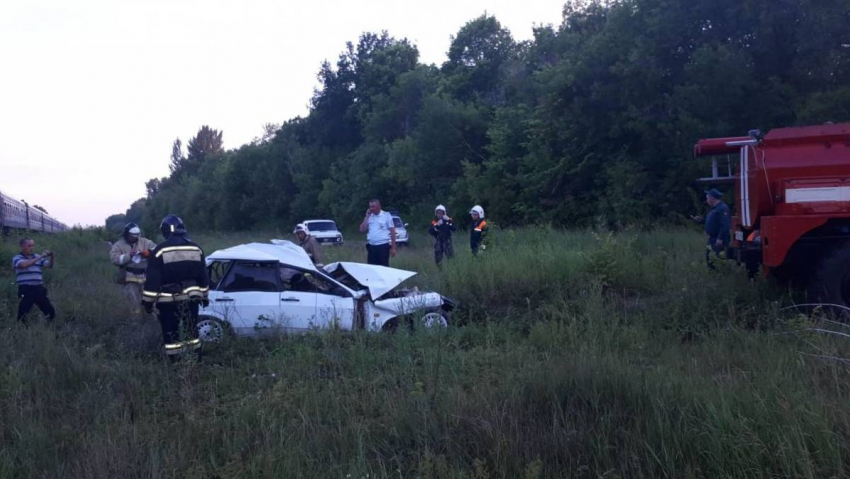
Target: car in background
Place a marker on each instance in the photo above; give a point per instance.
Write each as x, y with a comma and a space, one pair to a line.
325, 231
401, 236
263, 288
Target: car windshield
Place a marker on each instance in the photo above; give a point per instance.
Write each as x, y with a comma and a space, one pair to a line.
397, 222
321, 226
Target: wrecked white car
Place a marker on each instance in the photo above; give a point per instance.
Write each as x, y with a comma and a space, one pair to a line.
261, 288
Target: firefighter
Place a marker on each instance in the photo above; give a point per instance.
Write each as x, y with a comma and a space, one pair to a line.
130, 255
478, 235
442, 227
309, 243
178, 285
717, 227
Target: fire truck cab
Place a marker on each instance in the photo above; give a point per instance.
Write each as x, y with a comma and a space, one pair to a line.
792, 204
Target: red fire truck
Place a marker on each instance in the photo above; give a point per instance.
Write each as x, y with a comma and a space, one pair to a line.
792, 203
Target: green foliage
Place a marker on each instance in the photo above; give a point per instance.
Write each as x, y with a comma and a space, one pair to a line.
594, 117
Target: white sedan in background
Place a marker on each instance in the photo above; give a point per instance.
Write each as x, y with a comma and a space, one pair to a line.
260, 288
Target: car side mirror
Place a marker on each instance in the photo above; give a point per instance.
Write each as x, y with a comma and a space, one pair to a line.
406, 225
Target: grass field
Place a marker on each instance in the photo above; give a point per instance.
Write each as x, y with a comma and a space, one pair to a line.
572, 354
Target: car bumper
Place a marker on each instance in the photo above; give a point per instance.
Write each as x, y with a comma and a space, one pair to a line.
330, 240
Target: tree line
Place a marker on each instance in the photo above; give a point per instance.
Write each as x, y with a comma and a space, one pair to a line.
590, 120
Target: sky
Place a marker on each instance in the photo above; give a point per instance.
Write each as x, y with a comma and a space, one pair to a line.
94, 92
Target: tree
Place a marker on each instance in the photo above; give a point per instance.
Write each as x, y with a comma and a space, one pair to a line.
595, 117
153, 186
206, 143
476, 57
178, 161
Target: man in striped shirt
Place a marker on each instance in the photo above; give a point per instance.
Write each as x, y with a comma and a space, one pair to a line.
31, 290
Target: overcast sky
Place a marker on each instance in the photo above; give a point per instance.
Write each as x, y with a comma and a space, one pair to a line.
93, 93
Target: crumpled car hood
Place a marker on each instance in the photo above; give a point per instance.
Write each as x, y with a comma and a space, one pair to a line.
379, 280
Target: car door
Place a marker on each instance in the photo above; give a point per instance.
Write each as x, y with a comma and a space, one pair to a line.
249, 297
335, 304
297, 300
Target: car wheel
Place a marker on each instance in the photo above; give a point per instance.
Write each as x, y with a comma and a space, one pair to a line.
435, 319
211, 330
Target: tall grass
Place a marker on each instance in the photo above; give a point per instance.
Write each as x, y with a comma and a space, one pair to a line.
572, 354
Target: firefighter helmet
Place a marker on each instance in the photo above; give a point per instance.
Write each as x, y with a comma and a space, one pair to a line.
131, 229
477, 209
172, 224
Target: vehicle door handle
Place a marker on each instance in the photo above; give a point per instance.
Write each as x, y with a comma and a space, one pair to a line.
223, 300
291, 300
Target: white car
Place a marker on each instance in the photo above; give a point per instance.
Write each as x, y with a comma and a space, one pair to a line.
401, 236
325, 231
260, 288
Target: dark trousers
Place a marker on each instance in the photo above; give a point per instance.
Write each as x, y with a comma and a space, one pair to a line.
34, 295
179, 322
713, 254
443, 247
378, 255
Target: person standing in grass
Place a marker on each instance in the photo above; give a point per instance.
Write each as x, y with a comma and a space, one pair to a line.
28, 274
717, 227
177, 284
309, 243
478, 235
442, 227
130, 254
380, 234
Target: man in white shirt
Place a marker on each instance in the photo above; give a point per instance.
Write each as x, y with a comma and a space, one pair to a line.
380, 234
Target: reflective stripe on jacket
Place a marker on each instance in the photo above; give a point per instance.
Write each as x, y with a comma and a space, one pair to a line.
176, 272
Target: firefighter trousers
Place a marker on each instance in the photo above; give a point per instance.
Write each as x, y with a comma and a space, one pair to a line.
179, 322
133, 294
443, 247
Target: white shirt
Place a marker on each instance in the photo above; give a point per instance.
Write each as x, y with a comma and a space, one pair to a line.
379, 228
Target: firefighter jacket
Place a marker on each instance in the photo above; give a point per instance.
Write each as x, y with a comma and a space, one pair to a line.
122, 254
176, 272
718, 224
314, 251
478, 235
442, 231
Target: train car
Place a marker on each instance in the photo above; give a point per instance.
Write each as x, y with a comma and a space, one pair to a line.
15, 214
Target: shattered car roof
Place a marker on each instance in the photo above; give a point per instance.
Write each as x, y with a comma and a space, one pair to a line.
282, 251
378, 279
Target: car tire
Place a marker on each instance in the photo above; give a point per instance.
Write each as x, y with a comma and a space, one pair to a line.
830, 281
434, 318
428, 318
212, 330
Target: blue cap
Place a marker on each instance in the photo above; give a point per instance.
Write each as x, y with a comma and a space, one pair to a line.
714, 193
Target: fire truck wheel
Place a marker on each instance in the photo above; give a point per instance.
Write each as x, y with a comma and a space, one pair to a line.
830, 283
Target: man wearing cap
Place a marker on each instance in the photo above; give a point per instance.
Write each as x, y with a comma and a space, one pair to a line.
717, 226
309, 243
130, 254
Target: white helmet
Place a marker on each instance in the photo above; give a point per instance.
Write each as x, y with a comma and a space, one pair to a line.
301, 227
477, 209
440, 208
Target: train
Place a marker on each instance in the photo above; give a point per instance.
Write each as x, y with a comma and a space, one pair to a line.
15, 214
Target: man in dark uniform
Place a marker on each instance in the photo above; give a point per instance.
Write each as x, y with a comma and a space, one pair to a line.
478, 235
717, 227
442, 227
177, 284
